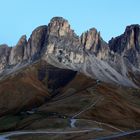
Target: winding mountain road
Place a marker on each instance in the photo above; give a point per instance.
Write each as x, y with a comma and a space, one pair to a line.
89, 107
17, 133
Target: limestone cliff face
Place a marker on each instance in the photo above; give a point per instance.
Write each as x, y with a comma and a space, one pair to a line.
93, 43
90, 39
68, 48
62, 42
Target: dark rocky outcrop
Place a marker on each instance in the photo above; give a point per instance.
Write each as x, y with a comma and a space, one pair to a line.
4, 55
128, 45
35, 43
130, 39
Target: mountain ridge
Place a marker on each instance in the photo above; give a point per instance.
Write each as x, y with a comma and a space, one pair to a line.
60, 42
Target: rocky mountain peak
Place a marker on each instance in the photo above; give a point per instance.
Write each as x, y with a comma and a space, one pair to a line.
58, 20
36, 42
59, 26
132, 34
134, 27
92, 42
22, 41
90, 39
17, 52
127, 45
129, 40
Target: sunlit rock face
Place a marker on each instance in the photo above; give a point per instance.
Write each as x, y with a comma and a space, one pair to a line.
68, 48
58, 26
90, 40
93, 43
63, 43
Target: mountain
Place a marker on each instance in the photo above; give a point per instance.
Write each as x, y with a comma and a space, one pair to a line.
57, 75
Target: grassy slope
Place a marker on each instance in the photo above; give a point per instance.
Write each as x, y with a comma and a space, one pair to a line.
22, 90
120, 105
